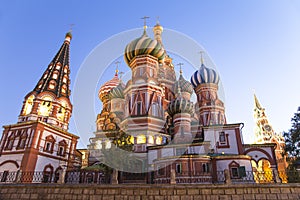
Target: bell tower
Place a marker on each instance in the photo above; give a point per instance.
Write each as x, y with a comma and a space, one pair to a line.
40, 140
49, 101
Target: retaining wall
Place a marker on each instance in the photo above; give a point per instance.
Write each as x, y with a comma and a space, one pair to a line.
149, 192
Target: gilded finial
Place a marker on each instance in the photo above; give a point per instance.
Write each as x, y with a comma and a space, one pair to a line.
202, 59
69, 33
180, 69
145, 22
117, 67
121, 74
157, 20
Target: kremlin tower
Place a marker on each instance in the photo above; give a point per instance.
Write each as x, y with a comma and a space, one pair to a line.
40, 140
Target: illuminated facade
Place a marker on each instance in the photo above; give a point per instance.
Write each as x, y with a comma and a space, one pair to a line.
265, 134
170, 133
40, 140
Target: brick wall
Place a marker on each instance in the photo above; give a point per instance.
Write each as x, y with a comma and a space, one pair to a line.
149, 192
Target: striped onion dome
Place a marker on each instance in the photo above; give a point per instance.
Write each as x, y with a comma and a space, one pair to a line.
204, 75
180, 105
143, 46
117, 92
184, 85
108, 86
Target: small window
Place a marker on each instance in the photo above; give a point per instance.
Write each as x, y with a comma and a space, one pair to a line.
150, 139
54, 76
22, 141
222, 137
57, 67
151, 72
154, 108
178, 168
235, 172
10, 143
158, 140
161, 171
65, 79
205, 167
139, 108
48, 146
141, 71
66, 69
61, 151
141, 139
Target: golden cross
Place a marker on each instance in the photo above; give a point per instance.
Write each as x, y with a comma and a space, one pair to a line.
180, 64
117, 66
202, 59
157, 20
145, 21
71, 27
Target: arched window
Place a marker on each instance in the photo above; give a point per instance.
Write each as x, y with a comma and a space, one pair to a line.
52, 85
47, 174
49, 144
45, 106
150, 139
154, 108
62, 147
55, 75
61, 113
45, 75
22, 141
108, 144
64, 88
158, 140
65, 79
139, 108
141, 139
28, 105
10, 142
57, 66
66, 69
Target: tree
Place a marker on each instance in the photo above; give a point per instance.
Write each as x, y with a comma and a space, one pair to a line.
292, 139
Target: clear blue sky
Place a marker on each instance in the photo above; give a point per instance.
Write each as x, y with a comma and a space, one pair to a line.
254, 44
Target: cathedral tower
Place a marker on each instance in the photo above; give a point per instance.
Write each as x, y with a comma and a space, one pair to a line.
49, 100
40, 141
181, 109
211, 109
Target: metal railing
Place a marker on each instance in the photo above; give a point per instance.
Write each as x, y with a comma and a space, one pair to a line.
98, 177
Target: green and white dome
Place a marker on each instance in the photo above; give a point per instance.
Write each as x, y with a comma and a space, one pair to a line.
143, 45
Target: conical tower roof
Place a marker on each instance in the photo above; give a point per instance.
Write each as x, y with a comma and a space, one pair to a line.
256, 103
56, 77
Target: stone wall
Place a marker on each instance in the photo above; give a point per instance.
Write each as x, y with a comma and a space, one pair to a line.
151, 192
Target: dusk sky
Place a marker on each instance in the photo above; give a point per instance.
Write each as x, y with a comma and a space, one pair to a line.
254, 45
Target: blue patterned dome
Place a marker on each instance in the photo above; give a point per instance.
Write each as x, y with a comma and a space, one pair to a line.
143, 46
184, 85
180, 105
204, 75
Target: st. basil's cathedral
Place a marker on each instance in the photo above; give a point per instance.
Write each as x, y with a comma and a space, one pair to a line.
165, 136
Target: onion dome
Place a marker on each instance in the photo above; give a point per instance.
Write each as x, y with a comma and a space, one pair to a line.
69, 34
108, 86
117, 92
180, 105
183, 85
204, 75
144, 45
